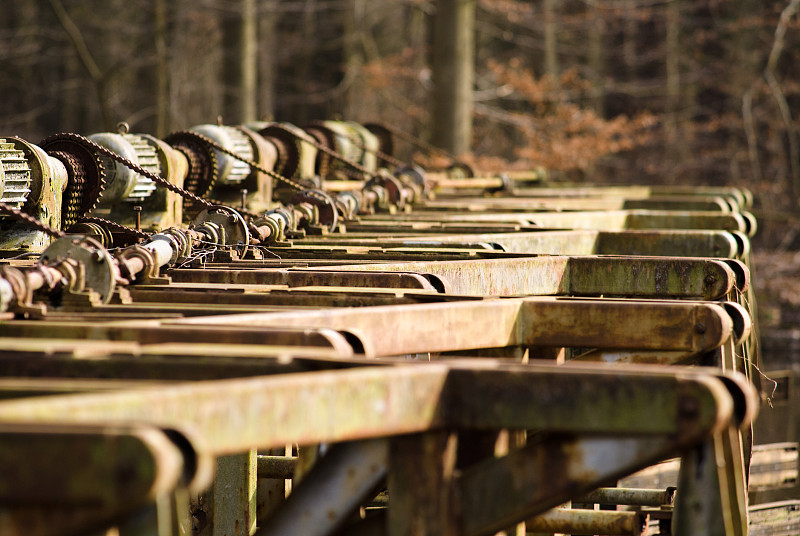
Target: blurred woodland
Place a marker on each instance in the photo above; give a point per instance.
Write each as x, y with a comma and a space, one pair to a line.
676, 91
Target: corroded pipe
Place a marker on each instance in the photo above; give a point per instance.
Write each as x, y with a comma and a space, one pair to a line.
579, 522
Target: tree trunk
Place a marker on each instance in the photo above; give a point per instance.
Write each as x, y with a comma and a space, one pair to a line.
353, 58
596, 57
268, 26
629, 55
29, 18
162, 69
248, 109
240, 63
550, 42
453, 68
303, 79
673, 82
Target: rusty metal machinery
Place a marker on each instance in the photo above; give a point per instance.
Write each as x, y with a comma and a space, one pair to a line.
34, 181
353, 141
16, 175
314, 339
297, 155
130, 198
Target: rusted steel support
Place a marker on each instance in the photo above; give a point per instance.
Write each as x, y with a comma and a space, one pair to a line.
707, 500
233, 416
421, 479
233, 496
11, 388
589, 522
195, 301
538, 477
688, 243
691, 327
570, 276
630, 496
341, 481
742, 196
236, 415
305, 278
260, 340
680, 406
671, 203
611, 220
87, 476
183, 362
155, 332
281, 467
108, 467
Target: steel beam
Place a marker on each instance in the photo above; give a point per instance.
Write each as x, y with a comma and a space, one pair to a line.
661, 277
437, 327
153, 332
630, 496
109, 467
232, 416
742, 196
687, 243
589, 522
307, 278
611, 220
341, 481
35, 358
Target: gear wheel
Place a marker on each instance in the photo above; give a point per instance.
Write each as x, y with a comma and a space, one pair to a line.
203, 168
328, 215
76, 181
15, 174
86, 174
385, 139
324, 136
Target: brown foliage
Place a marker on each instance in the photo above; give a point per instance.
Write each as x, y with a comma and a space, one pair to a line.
554, 130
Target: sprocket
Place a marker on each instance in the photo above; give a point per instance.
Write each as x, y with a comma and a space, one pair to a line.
85, 170
203, 167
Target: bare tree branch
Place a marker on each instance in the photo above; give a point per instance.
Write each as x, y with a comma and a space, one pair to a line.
777, 93
750, 133
85, 56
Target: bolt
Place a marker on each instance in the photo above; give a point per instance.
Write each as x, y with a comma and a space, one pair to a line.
231, 219
700, 328
97, 256
138, 210
710, 280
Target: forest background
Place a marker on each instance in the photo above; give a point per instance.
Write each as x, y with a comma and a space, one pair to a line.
603, 91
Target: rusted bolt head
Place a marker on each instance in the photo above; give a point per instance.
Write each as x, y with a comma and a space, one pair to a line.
710, 279
700, 328
231, 219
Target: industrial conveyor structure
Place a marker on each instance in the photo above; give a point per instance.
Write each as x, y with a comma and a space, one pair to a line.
274, 330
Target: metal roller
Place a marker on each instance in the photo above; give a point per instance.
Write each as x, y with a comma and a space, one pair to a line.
123, 183
231, 170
